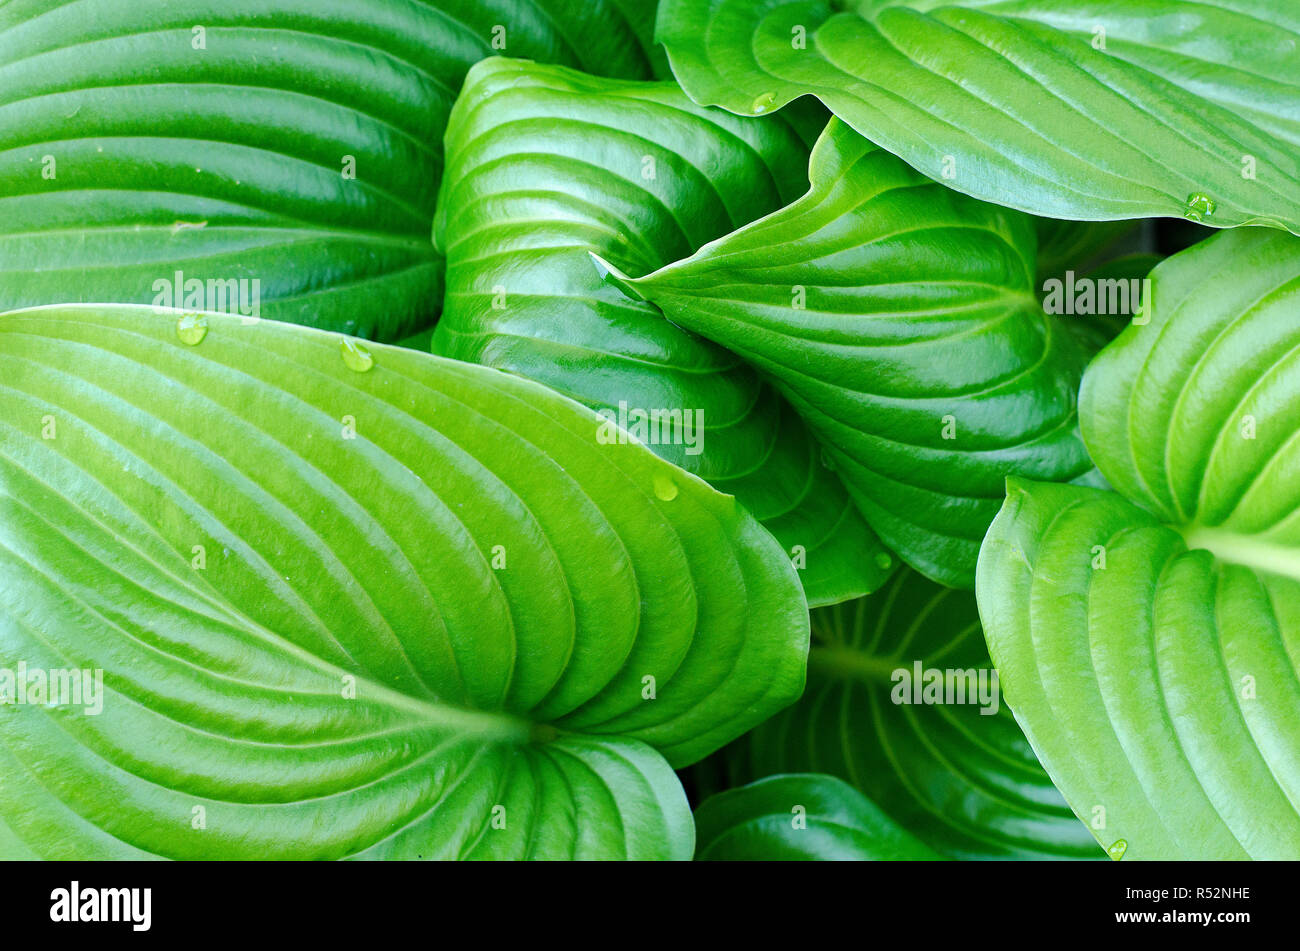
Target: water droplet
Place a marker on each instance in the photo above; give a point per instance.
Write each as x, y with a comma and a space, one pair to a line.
665, 488
883, 561
192, 328
1117, 849
1199, 207
356, 356
764, 103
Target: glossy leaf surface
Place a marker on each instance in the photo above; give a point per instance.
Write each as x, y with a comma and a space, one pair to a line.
799, 818
1149, 639
179, 152
1088, 109
547, 166
902, 702
351, 602
900, 319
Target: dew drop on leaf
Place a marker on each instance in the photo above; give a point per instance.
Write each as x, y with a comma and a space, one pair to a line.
1199, 207
883, 561
764, 103
356, 356
192, 328
1117, 849
665, 488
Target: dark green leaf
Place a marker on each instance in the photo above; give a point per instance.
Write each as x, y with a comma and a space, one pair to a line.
799, 818
177, 153
903, 703
547, 166
901, 320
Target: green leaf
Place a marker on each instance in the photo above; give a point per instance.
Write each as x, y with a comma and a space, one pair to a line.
547, 166
902, 702
168, 152
1090, 109
348, 601
1149, 639
901, 320
1076, 245
804, 817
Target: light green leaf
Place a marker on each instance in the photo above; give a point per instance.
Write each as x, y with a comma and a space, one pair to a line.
547, 166
901, 320
1089, 109
1151, 652
903, 703
347, 602
180, 152
799, 818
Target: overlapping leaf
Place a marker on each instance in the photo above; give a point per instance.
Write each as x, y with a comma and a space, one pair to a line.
1149, 639
902, 703
901, 320
545, 167
1090, 109
354, 604
799, 817
168, 151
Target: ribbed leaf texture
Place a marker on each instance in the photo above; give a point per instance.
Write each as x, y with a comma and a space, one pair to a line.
901, 320
1149, 638
148, 148
546, 167
799, 818
902, 702
356, 603
1089, 109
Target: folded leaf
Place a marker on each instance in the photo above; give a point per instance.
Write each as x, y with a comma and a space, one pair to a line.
276, 158
356, 603
901, 320
903, 703
1149, 639
547, 166
1091, 109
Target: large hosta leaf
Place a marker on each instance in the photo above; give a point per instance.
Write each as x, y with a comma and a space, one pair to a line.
1092, 109
296, 143
357, 604
901, 320
547, 166
1149, 639
799, 817
902, 702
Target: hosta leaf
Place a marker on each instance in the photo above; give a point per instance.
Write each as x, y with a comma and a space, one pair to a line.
900, 319
799, 817
547, 166
349, 602
1075, 245
1149, 639
1091, 109
147, 149
903, 703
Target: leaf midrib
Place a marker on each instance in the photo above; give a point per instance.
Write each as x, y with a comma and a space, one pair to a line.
1251, 551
